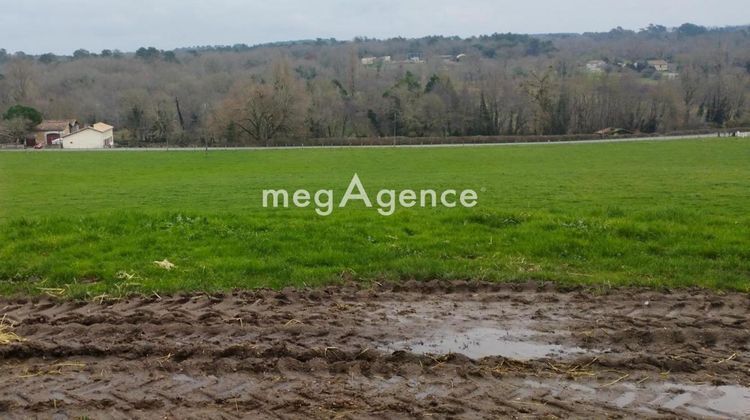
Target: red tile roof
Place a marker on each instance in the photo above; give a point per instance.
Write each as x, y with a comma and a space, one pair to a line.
55, 125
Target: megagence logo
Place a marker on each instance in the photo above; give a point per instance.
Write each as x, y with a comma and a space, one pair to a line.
386, 200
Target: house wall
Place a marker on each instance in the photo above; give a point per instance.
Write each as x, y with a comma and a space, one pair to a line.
41, 136
88, 139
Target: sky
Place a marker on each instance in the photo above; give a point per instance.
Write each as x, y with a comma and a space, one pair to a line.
62, 26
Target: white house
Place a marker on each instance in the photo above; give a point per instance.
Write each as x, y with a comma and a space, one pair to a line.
596, 66
659, 65
98, 136
372, 60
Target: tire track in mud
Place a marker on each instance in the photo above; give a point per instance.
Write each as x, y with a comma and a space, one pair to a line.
388, 350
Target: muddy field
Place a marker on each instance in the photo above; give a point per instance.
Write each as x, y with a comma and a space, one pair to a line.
417, 350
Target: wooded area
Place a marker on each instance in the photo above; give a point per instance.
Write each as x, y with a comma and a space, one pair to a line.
500, 84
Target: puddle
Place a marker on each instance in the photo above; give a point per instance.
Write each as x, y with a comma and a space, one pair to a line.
726, 401
705, 400
519, 344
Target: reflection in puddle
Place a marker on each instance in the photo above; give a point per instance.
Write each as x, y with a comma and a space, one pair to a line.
705, 400
726, 401
483, 342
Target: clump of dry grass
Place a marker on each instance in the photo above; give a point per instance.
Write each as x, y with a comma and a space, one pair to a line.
52, 369
7, 335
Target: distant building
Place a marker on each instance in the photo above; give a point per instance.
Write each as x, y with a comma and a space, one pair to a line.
48, 132
366, 61
452, 58
623, 63
98, 136
670, 75
596, 66
414, 58
658, 65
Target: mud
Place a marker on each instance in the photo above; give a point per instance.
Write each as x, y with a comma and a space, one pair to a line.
434, 349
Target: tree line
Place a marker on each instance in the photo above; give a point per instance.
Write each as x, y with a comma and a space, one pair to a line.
437, 86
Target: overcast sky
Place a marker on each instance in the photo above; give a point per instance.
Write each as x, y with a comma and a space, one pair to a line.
62, 26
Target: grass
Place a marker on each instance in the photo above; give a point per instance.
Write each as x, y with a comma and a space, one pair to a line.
649, 213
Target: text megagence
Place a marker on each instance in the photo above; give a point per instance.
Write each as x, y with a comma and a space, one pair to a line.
387, 200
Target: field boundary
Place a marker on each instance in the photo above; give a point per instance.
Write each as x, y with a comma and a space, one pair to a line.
384, 145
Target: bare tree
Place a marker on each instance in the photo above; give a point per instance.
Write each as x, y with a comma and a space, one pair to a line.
20, 79
265, 111
14, 130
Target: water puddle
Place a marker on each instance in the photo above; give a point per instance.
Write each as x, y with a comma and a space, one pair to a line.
727, 401
701, 400
518, 343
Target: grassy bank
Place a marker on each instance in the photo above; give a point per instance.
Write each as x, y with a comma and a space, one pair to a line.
658, 213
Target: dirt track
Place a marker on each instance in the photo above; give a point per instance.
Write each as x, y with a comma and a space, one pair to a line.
386, 351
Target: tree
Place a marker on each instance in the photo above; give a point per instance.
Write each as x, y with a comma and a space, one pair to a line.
689, 84
14, 129
654, 30
539, 89
81, 53
164, 124
135, 122
266, 111
170, 57
31, 115
19, 76
18, 120
691, 29
47, 58
491, 89
485, 125
327, 116
148, 54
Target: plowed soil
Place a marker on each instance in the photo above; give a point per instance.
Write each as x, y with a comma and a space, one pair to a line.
437, 349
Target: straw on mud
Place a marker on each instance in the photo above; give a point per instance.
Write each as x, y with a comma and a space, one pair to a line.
616, 380
325, 350
69, 364
727, 359
573, 370
7, 335
163, 359
56, 369
363, 352
342, 306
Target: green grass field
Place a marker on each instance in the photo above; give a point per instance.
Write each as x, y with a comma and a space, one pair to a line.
672, 213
